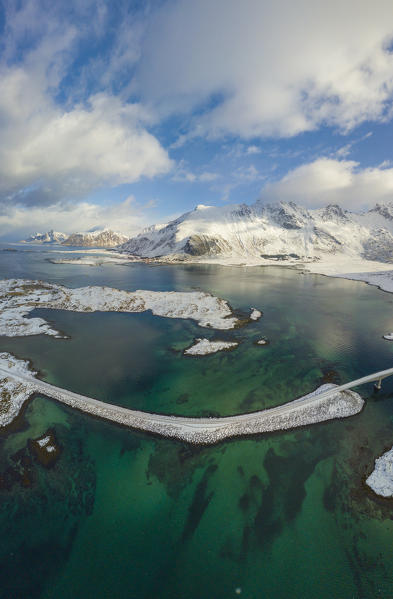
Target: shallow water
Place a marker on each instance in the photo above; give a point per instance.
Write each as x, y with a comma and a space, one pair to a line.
126, 515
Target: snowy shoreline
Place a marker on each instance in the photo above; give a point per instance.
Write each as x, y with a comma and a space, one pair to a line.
373, 273
13, 393
376, 274
90, 261
344, 267
381, 478
18, 297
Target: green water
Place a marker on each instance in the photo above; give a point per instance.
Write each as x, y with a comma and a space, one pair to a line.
126, 515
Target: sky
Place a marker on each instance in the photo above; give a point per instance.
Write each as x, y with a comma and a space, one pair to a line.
122, 113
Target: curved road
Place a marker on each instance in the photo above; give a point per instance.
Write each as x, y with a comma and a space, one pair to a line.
326, 403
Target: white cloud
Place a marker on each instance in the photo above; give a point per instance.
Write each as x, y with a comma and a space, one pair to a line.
103, 141
18, 221
253, 150
184, 175
327, 181
344, 150
64, 149
279, 68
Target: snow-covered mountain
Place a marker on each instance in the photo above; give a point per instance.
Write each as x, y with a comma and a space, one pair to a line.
48, 237
104, 239
282, 231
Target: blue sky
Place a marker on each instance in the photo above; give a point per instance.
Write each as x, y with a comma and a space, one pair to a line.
122, 114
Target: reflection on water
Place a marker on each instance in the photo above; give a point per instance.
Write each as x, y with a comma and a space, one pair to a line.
122, 514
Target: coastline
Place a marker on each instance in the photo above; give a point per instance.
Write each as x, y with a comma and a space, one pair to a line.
378, 274
373, 273
349, 267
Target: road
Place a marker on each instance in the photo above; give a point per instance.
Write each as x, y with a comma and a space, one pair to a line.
323, 404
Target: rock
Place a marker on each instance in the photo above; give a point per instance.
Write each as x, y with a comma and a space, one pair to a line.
203, 347
46, 449
262, 341
381, 479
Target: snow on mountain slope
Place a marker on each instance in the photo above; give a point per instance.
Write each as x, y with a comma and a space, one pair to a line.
283, 231
48, 237
105, 238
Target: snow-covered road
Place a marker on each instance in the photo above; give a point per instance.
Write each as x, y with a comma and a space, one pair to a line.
325, 403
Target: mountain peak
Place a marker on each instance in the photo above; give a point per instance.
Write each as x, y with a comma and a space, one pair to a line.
200, 207
104, 238
287, 214
385, 210
333, 212
257, 232
48, 237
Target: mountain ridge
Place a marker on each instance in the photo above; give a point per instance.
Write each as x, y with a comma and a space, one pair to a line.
281, 231
102, 238
105, 238
47, 237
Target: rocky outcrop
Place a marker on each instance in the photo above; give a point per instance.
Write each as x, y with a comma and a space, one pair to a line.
379, 246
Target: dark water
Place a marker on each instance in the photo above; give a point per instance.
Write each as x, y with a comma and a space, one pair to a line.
124, 515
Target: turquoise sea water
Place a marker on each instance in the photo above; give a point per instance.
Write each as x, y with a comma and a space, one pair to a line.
124, 515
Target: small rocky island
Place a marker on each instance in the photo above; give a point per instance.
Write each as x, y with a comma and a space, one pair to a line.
46, 449
204, 347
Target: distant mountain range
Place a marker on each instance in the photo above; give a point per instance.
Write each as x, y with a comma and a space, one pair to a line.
104, 238
282, 231
252, 233
49, 237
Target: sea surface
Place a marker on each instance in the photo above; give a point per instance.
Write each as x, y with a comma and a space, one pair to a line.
125, 515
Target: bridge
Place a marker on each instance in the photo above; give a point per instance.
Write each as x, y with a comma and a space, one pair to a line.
325, 403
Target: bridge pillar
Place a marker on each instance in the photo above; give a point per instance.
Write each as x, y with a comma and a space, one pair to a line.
378, 385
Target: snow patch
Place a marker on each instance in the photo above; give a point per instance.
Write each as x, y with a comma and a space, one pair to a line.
203, 347
13, 393
381, 479
355, 269
383, 280
255, 314
44, 441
